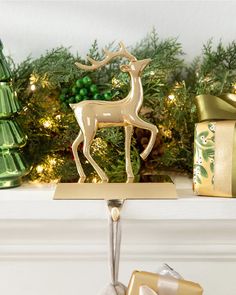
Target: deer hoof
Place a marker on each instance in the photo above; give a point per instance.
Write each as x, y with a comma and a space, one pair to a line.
144, 156
130, 179
105, 180
82, 179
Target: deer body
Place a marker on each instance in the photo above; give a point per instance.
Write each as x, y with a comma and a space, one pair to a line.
92, 115
111, 112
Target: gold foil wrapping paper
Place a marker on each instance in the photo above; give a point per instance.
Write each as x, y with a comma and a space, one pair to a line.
215, 159
162, 285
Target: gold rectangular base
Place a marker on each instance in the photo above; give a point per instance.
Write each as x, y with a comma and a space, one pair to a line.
111, 191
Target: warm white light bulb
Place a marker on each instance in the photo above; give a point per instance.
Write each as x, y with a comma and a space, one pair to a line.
171, 96
47, 124
33, 87
39, 168
94, 180
52, 161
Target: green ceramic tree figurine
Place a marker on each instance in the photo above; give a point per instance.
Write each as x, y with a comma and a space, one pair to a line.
12, 139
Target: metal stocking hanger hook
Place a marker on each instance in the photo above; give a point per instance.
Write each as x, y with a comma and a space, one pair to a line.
115, 207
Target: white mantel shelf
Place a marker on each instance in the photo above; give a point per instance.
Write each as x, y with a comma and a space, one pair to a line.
36, 202
58, 247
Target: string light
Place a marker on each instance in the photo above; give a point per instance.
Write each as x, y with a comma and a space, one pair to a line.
94, 180
168, 133
39, 169
41, 80
99, 146
56, 180
47, 124
116, 83
171, 97
33, 87
52, 161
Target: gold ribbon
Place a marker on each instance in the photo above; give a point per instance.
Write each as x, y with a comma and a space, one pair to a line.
224, 171
222, 108
166, 286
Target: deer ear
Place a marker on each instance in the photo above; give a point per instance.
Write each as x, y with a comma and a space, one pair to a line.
124, 68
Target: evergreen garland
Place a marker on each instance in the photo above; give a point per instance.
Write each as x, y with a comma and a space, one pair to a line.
47, 84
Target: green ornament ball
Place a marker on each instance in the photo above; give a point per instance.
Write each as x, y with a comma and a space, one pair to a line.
97, 96
93, 88
107, 95
78, 98
83, 92
87, 81
79, 83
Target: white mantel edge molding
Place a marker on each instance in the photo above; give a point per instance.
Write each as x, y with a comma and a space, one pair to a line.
33, 226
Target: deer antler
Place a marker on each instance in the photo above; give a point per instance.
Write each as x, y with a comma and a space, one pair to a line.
123, 52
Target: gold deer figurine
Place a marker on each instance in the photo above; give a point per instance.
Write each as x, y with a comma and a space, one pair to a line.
92, 115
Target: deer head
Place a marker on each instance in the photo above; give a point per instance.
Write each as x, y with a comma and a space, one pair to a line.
135, 67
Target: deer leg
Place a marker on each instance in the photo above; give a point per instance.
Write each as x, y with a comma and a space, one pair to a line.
88, 138
79, 167
128, 165
138, 122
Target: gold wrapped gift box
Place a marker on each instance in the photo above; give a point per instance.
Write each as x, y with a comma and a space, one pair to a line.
161, 285
214, 171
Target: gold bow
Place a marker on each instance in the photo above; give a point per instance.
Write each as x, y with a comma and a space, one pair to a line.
222, 107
